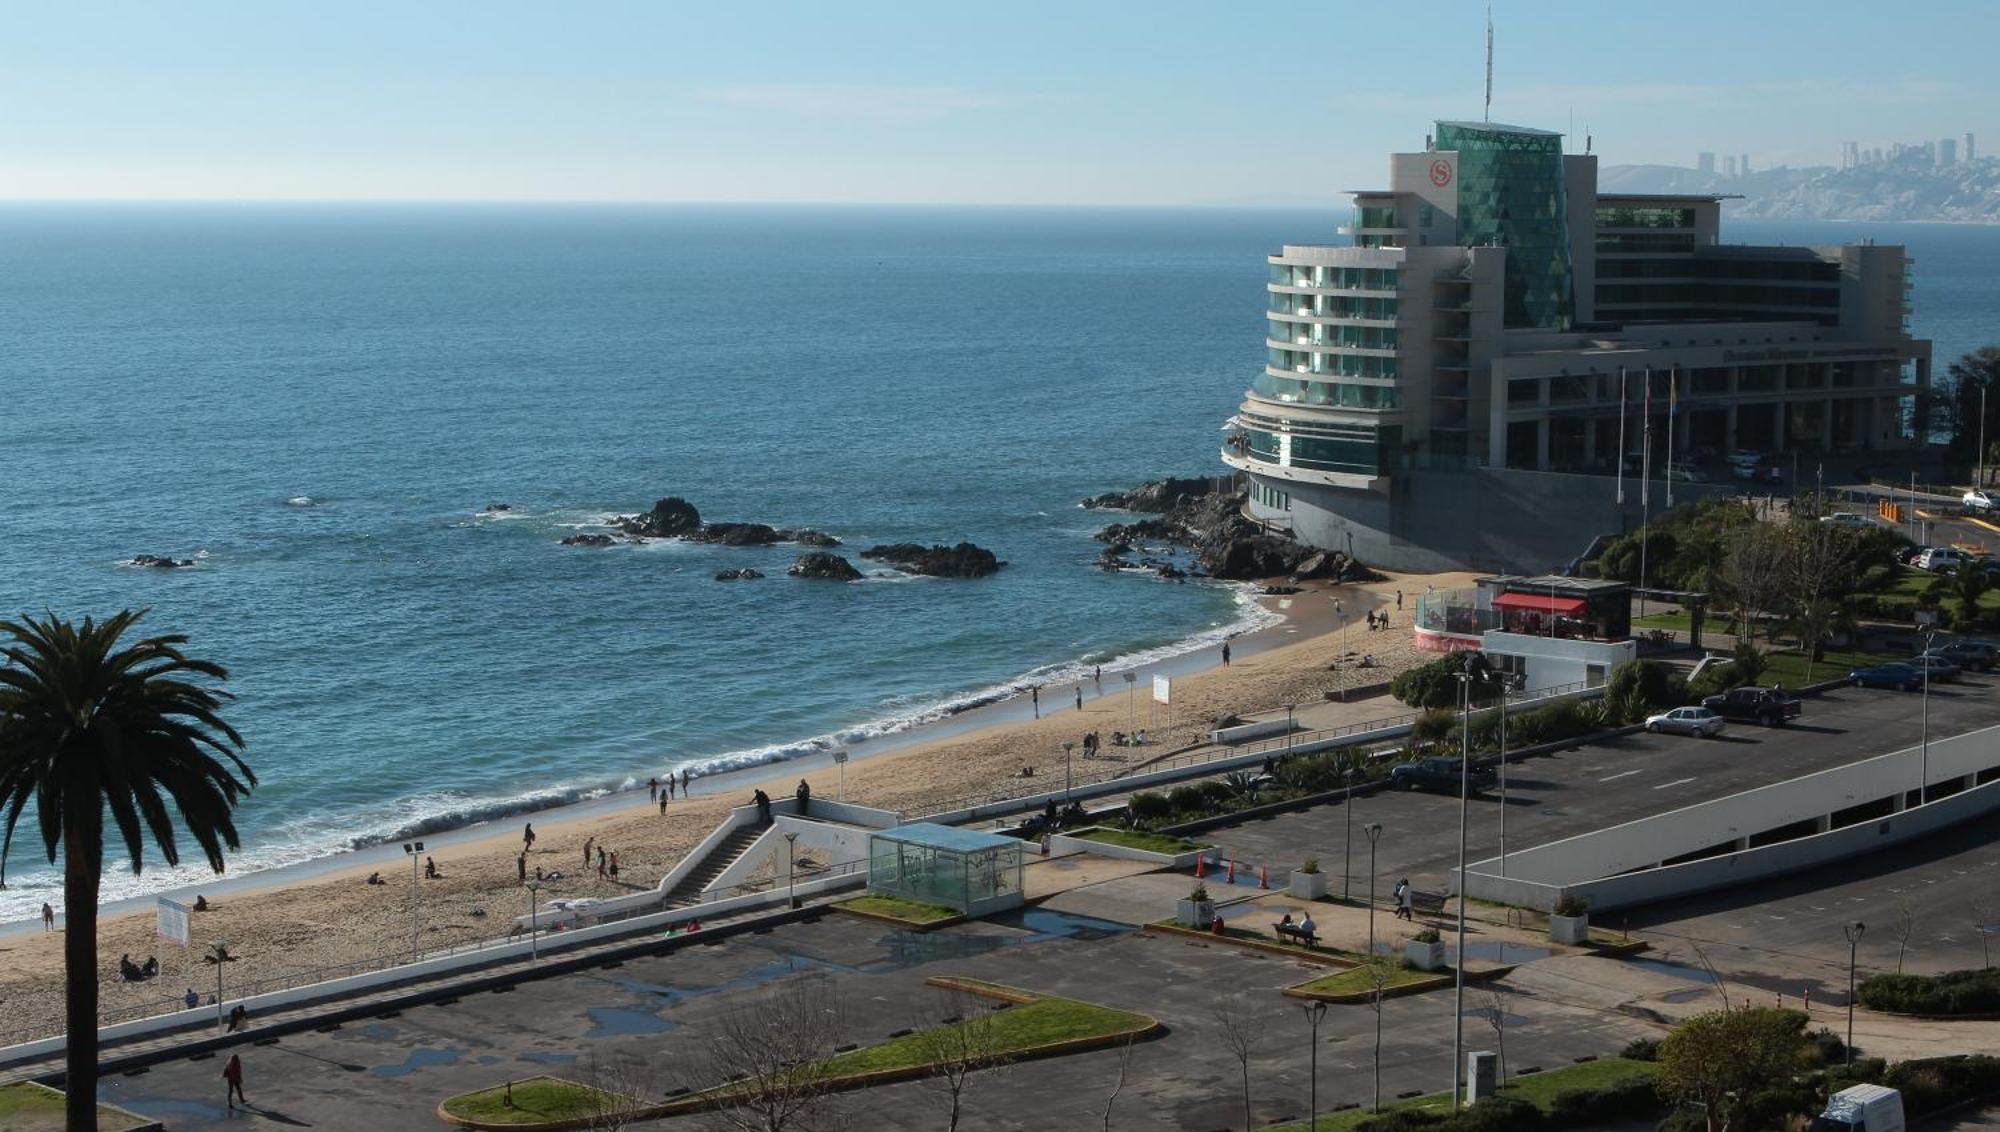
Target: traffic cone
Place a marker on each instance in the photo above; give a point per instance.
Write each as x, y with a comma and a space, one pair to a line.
1263, 876
1200, 867
1232, 870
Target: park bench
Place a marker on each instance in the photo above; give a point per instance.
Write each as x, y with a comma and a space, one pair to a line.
1426, 903
1295, 933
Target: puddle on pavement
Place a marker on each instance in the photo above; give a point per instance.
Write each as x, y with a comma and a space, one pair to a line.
543, 1057
1508, 953
1064, 925
621, 1022
908, 949
193, 1110
422, 1057
376, 1031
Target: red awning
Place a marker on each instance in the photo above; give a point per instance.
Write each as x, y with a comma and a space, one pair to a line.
1541, 603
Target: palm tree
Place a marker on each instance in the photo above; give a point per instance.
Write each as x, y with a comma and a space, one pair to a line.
86, 724
1968, 584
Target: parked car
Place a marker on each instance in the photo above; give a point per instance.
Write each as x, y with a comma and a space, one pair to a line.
1844, 519
1908, 555
1938, 559
1980, 656
1894, 675
1696, 721
1767, 706
1942, 670
1976, 500
1437, 774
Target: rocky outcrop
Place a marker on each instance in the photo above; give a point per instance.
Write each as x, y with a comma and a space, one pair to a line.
822, 566
805, 536
1226, 543
672, 517
496, 508
744, 574
1113, 557
161, 562
962, 561
589, 540
1157, 497
735, 534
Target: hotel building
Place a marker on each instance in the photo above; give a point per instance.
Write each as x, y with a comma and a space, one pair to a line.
1462, 384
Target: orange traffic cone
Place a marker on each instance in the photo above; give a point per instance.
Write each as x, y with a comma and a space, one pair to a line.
1200, 867
1263, 876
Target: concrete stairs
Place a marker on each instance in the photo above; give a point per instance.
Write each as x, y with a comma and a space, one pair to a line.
689, 890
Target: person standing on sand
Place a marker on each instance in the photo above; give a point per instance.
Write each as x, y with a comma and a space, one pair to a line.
233, 1074
1035, 694
663, 803
684, 783
1097, 675
521, 868
528, 837
48, 917
1225, 654
614, 866
670, 788
586, 850
652, 789
1399, 599
600, 860
1079, 697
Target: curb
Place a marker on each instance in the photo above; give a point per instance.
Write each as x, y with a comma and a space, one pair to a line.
1420, 986
898, 921
1323, 958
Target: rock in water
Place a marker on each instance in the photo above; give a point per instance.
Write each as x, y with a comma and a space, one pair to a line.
822, 566
588, 540
962, 561
736, 534
671, 517
1159, 496
161, 562
743, 574
806, 536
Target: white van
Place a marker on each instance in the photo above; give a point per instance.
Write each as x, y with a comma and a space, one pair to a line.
1862, 1108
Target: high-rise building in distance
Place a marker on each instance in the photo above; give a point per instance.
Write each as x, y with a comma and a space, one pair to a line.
1464, 383
1704, 162
1947, 151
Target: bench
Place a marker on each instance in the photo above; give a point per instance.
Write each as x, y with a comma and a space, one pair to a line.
1427, 903
1296, 933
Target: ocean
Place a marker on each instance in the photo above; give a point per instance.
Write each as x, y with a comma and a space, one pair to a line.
317, 403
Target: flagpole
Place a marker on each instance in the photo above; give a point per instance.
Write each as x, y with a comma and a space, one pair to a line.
1673, 399
1645, 476
1621, 436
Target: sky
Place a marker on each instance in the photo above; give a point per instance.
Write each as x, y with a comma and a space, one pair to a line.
1163, 103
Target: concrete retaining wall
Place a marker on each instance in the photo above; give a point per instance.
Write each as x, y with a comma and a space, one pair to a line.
831, 844
1062, 844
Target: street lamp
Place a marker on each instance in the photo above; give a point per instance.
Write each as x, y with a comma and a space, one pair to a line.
1853, 933
1069, 778
414, 850
1347, 854
1289, 710
534, 925
1374, 832
840, 760
1924, 771
1473, 664
1314, 1012
791, 868
218, 954
1340, 618
1503, 778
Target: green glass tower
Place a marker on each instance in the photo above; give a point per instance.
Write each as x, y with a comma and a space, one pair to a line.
1510, 193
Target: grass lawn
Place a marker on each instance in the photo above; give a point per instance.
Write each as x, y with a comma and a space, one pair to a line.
1539, 1090
536, 1100
1263, 936
1911, 583
1361, 981
1788, 666
1016, 1028
898, 908
1135, 839
1673, 619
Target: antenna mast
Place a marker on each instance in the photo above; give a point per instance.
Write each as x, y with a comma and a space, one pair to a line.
1489, 63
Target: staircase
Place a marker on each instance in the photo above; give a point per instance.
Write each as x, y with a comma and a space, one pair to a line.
688, 891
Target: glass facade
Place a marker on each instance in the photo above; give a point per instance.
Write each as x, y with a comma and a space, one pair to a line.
944, 865
1645, 218
1353, 449
1510, 192
1333, 395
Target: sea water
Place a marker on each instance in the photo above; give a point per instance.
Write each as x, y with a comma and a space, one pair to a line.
317, 404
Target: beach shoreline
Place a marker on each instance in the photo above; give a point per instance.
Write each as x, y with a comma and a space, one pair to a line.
292, 921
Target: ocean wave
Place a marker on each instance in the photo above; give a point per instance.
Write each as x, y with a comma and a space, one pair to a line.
301, 501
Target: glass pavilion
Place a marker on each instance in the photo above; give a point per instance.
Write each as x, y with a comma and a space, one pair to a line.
973, 872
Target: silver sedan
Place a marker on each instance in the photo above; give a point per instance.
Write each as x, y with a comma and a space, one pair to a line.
1696, 721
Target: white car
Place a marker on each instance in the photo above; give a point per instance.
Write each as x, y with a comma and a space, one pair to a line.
1696, 721
1977, 501
1938, 559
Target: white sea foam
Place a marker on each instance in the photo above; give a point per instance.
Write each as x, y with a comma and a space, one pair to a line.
301, 501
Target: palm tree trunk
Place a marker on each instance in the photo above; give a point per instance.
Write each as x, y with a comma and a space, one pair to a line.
80, 859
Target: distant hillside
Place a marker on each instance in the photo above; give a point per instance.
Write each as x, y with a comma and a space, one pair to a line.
1907, 189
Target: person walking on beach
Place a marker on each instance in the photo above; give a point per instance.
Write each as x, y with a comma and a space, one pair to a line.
232, 1073
1035, 694
528, 837
600, 860
1079, 697
48, 917
1097, 676
614, 866
1225, 654
652, 789
1399, 599
684, 783
521, 869
586, 851
805, 796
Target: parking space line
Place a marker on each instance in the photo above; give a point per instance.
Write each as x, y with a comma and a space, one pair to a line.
1620, 774
1675, 782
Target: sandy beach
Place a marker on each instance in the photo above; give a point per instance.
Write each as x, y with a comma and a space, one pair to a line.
300, 923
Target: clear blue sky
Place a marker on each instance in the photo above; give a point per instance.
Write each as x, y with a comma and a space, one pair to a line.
1099, 103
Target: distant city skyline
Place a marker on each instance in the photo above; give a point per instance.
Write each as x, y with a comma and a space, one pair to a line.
1035, 103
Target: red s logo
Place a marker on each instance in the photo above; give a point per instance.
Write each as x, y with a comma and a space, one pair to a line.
1440, 173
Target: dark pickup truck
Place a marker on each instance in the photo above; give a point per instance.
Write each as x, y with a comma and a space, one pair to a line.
1767, 706
1437, 774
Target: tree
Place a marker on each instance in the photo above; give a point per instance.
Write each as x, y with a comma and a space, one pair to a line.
1436, 685
1752, 574
1118, 1086
1716, 1060
775, 1051
1378, 974
1823, 567
1496, 1017
1904, 927
622, 1091
961, 1040
87, 723
1968, 584
1242, 1026
1956, 406
1636, 689
1747, 661
1983, 910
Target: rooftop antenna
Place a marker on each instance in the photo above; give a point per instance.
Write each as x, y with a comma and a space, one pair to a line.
1489, 63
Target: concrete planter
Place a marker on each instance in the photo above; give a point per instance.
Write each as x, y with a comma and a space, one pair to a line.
1195, 913
1571, 930
1307, 886
1425, 956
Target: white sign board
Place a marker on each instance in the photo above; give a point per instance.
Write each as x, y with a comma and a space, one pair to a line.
1163, 689
173, 922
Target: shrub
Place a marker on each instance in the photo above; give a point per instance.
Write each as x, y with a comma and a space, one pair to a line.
1938, 1082
1584, 1108
1714, 680
1200, 893
1748, 662
1957, 992
1428, 935
1433, 726
1639, 687
1311, 865
1571, 905
1436, 685
1146, 806
1641, 1049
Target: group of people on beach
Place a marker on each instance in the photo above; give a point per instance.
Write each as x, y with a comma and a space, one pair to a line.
1093, 743
802, 795
663, 792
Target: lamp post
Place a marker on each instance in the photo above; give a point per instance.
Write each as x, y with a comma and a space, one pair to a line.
1314, 1012
1069, 779
1503, 777
1289, 710
1340, 618
218, 954
1924, 769
534, 925
840, 760
791, 869
1853, 933
1458, 962
414, 850
1347, 854
1374, 832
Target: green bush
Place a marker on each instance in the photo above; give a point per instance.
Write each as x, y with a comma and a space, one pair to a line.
1433, 726
1641, 1049
1436, 685
1939, 1082
1147, 806
1639, 688
1957, 992
1580, 1108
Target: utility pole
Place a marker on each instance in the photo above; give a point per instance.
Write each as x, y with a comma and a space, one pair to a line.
1347, 854
414, 850
1853, 934
1314, 1012
534, 925
1374, 832
1458, 964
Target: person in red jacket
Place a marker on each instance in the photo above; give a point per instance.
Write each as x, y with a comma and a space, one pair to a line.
233, 1073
